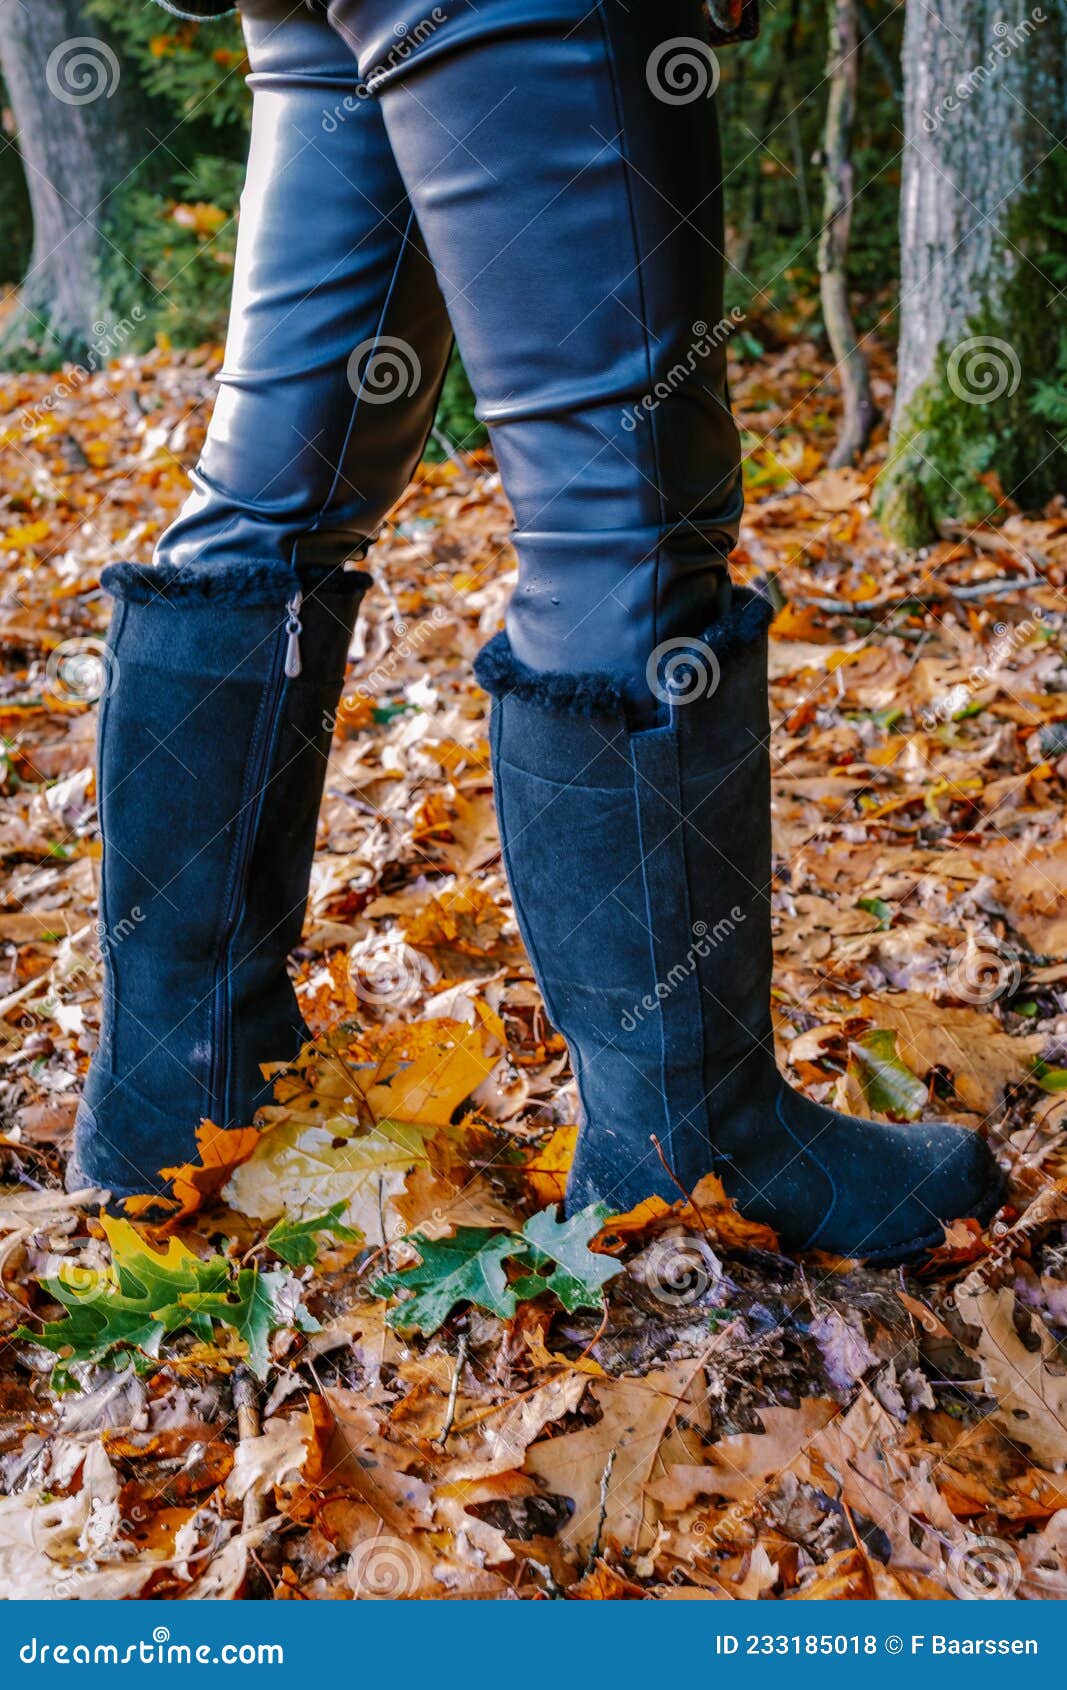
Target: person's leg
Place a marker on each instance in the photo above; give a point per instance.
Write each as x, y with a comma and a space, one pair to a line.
228, 654
562, 159
575, 220
338, 336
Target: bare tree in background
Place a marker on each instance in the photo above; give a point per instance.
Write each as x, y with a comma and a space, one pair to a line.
842, 76
984, 182
81, 129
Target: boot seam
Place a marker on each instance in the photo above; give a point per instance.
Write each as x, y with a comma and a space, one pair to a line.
109, 1019
263, 738
806, 1151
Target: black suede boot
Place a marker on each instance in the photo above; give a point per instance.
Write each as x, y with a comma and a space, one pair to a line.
640, 864
213, 740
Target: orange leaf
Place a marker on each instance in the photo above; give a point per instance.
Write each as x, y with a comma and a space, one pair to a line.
221, 1151
710, 1208
622, 1229
546, 1171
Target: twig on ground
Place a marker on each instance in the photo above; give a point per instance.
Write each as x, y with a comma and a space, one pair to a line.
246, 1402
673, 1177
605, 1486
453, 1395
865, 608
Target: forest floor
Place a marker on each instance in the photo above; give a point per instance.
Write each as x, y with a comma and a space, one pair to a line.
244, 1400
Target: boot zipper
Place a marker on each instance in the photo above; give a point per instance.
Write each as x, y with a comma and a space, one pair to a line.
281, 672
293, 628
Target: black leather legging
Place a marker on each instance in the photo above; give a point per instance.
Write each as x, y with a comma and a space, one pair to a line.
544, 177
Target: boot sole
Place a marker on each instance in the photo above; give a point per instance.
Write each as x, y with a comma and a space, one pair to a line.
915, 1248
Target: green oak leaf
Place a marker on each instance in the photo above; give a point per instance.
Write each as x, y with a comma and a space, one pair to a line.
94, 1331
466, 1268
252, 1304
125, 1310
578, 1274
295, 1242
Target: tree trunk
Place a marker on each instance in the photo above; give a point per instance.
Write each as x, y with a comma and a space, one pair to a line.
842, 74
81, 131
985, 101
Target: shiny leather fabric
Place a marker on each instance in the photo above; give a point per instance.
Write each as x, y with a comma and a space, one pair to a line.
532, 173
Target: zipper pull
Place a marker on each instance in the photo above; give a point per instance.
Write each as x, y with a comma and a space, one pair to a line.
294, 628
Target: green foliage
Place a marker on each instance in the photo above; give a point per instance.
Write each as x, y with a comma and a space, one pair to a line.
296, 1242
193, 72
466, 1268
122, 1313
16, 228
173, 226
1049, 395
456, 428
177, 250
1049, 1077
562, 1260
954, 459
470, 1267
772, 107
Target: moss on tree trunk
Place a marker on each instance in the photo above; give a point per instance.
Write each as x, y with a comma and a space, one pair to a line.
983, 245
